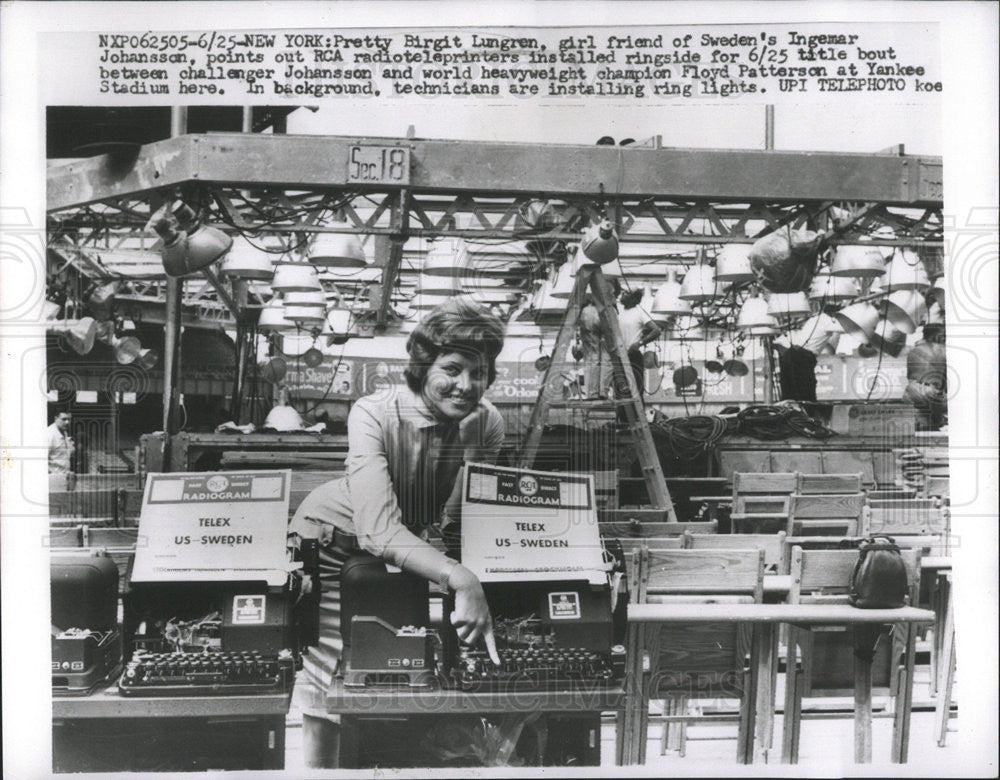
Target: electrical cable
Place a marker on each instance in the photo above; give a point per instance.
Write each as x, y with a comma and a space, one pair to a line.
773, 423
689, 437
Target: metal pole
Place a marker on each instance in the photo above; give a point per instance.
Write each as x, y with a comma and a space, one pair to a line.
767, 340
172, 327
768, 370
171, 364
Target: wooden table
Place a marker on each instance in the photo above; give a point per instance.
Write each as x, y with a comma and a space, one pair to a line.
374, 703
415, 701
766, 618
108, 732
938, 569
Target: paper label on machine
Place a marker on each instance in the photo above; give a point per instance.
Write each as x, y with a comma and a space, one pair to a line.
520, 524
216, 526
248, 610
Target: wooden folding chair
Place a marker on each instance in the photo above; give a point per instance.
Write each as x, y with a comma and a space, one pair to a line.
903, 502
888, 494
759, 514
639, 530
917, 522
754, 492
692, 660
924, 524
628, 539
819, 658
773, 546
816, 515
864, 462
827, 484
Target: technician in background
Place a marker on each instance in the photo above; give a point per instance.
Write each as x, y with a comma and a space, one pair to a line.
637, 331
406, 448
927, 375
597, 363
61, 448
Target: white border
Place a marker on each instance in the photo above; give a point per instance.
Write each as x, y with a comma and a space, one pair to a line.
969, 37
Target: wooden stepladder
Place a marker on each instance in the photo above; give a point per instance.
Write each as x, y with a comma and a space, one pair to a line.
593, 278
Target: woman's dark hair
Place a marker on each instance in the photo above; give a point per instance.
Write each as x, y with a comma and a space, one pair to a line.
457, 325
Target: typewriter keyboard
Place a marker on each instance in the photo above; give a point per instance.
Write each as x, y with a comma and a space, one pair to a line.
213, 673
538, 669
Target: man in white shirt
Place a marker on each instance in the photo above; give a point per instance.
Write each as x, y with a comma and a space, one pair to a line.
61, 449
638, 330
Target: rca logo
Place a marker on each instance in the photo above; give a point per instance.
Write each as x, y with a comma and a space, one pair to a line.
527, 485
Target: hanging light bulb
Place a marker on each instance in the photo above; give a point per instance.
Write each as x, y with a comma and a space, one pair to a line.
245, 261
667, 302
306, 316
442, 260
273, 319
79, 334
861, 262
888, 338
788, 306
885, 231
313, 358
732, 264
295, 277
754, 318
600, 243
699, 284
188, 245
312, 298
126, 349
438, 285
148, 358
833, 289
337, 326
687, 328
905, 272
273, 370
735, 367
936, 292
906, 309
859, 320
337, 250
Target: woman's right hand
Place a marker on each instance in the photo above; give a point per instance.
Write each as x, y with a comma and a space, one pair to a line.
471, 616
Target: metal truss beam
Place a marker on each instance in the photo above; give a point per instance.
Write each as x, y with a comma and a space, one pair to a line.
542, 170
490, 193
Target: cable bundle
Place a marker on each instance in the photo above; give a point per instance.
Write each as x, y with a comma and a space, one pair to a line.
689, 437
771, 423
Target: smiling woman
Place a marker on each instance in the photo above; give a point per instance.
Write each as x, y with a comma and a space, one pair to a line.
407, 446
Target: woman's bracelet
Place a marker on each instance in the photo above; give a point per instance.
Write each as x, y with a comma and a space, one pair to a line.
446, 574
